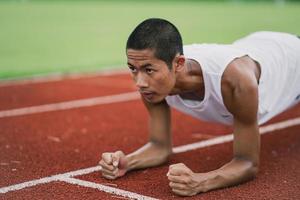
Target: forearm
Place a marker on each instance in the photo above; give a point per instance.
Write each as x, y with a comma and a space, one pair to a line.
244, 166
149, 155
233, 173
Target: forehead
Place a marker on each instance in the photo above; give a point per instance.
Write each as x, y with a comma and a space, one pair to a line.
143, 58
140, 55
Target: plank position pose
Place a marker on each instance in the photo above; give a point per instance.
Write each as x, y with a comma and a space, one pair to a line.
243, 84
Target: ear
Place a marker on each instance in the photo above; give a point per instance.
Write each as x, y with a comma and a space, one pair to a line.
179, 62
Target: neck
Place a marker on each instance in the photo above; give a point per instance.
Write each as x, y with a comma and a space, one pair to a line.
189, 79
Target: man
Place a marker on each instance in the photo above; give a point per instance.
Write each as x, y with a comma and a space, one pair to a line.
243, 84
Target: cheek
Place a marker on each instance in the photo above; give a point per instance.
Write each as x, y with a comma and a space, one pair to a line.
165, 82
133, 77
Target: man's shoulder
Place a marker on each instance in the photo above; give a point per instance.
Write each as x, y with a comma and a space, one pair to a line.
241, 73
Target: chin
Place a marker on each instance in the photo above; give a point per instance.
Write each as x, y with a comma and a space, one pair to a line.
159, 99
156, 99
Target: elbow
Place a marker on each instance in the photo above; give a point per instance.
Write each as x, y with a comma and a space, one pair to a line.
252, 171
162, 157
253, 167
163, 152
165, 148
166, 154
250, 168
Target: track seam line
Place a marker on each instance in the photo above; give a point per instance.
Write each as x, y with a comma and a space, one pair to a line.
106, 189
123, 97
180, 149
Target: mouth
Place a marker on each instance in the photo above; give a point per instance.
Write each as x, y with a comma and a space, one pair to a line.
147, 94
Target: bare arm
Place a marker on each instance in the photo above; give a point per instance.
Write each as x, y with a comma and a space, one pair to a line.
155, 152
240, 94
159, 147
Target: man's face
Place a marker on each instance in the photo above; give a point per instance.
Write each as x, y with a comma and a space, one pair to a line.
152, 76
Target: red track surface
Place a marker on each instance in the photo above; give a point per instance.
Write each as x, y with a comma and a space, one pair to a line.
45, 144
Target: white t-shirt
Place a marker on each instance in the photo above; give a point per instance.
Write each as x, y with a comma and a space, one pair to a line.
279, 87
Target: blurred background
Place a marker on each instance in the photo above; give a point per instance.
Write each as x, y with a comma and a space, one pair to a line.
51, 36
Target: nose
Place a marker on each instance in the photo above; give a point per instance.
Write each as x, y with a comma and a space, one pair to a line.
141, 81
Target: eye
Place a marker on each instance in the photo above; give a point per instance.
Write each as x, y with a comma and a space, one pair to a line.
149, 70
132, 69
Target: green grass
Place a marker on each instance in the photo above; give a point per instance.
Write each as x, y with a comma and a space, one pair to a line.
45, 37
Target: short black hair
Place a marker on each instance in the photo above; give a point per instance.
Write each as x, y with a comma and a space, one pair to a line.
159, 35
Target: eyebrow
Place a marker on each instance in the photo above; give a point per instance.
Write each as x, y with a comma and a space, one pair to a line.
143, 66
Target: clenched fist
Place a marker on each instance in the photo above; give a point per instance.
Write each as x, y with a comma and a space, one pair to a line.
113, 165
185, 182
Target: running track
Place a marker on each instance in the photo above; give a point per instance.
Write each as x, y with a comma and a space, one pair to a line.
53, 131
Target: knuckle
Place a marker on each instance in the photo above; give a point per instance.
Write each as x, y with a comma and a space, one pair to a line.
112, 178
171, 166
182, 187
170, 178
185, 180
104, 155
187, 172
180, 193
189, 181
108, 176
119, 152
113, 155
189, 194
175, 191
104, 165
106, 171
180, 165
104, 174
101, 162
115, 172
174, 166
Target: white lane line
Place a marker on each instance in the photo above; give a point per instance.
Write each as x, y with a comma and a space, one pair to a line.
81, 172
71, 104
202, 144
228, 138
28, 184
49, 179
54, 77
180, 149
107, 189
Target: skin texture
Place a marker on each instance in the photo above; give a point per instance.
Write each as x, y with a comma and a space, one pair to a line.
155, 81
